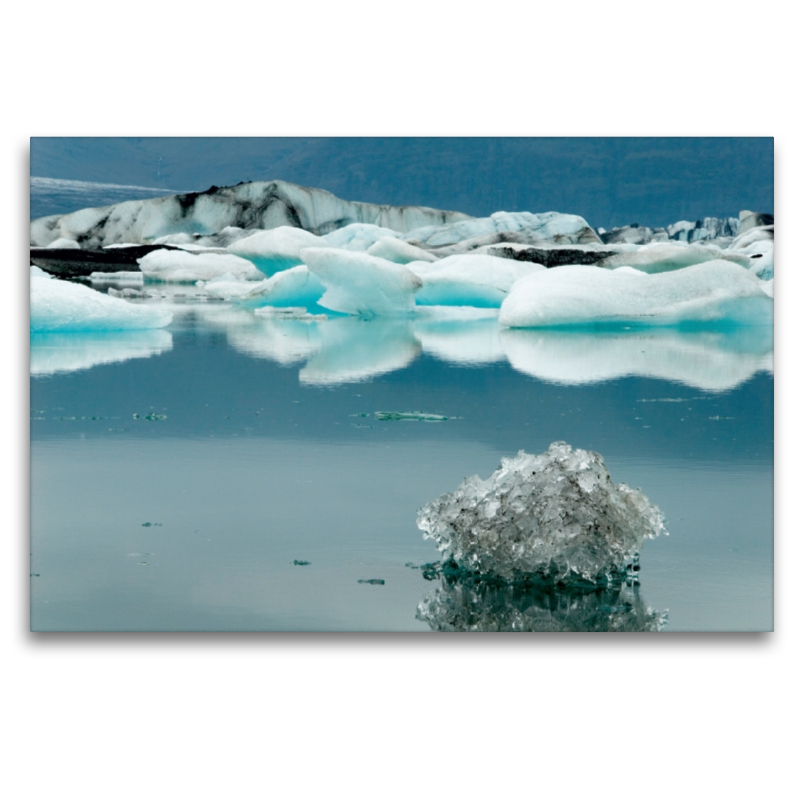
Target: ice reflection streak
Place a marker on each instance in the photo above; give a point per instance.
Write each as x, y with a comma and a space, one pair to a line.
349, 349
53, 353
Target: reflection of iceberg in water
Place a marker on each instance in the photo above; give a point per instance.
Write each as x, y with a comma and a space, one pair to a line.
355, 350
67, 352
467, 340
708, 360
459, 605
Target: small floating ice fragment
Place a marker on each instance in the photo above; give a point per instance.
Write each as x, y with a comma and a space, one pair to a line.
555, 518
416, 416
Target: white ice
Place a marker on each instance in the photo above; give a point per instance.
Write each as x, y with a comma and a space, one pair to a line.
711, 292
359, 236
63, 306
63, 244
276, 249
360, 284
547, 227
393, 249
260, 204
183, 267
659, 257
470, 280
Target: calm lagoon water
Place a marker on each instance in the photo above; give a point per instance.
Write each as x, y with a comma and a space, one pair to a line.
179, 475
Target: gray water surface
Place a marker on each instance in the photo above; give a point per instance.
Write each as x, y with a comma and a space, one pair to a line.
262, 449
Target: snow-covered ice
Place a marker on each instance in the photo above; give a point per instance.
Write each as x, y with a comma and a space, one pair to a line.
712, 292
63, 306
360, 284
183, 267
555, 518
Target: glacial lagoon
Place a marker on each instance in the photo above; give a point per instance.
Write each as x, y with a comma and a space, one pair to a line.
237, 472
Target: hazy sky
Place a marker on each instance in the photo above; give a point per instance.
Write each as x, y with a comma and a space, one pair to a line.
609, 181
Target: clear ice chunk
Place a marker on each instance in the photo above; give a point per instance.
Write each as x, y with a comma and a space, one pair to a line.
555, 518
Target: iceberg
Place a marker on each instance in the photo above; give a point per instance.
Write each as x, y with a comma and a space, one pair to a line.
393, 249
482, 281
555, 519
710, 293
53, 353
550, 226
176, 266
658, 257
275, 250
257, 205
360, 284
358, 236
291, 287
58, 305
226, 287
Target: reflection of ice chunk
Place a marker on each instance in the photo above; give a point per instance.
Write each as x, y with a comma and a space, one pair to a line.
183, 267
460, 341
556, 518
357, 283
712, 292
713, 361
67, 352
62, 306
393, 249
356, 350
470, 280
286, 341
275, 250
291, 287
461, 604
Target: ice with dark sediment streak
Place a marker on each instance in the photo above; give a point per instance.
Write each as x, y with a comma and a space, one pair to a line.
554, 518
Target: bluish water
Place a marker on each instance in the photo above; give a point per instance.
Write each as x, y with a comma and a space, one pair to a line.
262, 449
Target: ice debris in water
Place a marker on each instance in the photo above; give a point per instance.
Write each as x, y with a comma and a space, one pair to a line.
414, 416
555, 518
